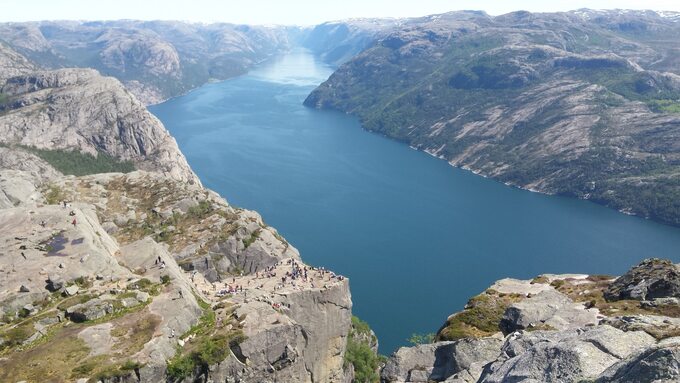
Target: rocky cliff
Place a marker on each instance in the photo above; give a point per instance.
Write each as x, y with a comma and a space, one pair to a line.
144, 275
582, 103
557, 328
79, 110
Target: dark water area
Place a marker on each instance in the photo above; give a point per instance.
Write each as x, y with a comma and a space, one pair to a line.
416, 236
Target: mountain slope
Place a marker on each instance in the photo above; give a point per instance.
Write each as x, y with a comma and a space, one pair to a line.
583, 103
154, 59
82, 111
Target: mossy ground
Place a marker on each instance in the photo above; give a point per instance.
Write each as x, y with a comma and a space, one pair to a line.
480, 318
61, 356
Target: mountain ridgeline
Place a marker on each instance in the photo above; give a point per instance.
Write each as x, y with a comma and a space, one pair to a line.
157, 60
584, 103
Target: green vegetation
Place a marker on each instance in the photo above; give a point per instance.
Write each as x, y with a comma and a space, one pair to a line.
359, 353
200, 211
71, 162
416, 339
253, 236
449, 97
211, 344
480, 318
54, 195
665, 106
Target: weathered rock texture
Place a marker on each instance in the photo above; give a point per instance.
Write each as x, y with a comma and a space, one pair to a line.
558, 328
77, 109
12, 63
294, 331
653, 278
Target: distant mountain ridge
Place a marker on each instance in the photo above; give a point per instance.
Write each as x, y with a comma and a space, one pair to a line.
154, 59
583, 103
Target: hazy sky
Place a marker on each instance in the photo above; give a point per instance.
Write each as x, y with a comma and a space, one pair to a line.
304, 12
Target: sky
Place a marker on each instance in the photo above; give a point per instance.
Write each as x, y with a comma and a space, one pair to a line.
292, 12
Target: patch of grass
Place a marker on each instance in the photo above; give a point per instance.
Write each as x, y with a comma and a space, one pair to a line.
74, 300
591, 293
54, 195
15, 336
253, 236
480, 318
202, 210
133, 337
665, 106
50, 361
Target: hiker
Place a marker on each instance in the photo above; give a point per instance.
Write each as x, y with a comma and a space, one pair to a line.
43, 223
74, 222
181, 294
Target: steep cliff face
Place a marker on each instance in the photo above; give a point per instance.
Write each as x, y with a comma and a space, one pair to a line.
581, 103
143, 276
77, 109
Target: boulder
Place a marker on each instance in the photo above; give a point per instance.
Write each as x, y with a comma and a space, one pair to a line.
71, 290
652, 278
54, 283
659, 363
548, 309
658, 326
563, 356
24, 289
462, 360
90, 310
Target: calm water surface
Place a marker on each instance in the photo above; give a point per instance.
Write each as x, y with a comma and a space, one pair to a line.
415, 236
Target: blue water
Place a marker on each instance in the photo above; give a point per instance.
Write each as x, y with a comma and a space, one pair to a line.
415, 236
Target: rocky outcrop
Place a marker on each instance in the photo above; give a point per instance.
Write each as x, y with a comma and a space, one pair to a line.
293, 330
77, 109
653, 278
12, 63
568, 356
657, 364
458, 361
554, 328
549, 309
